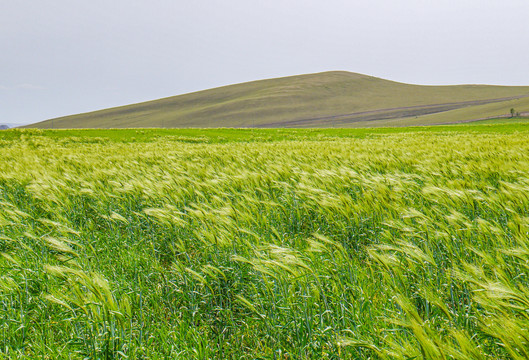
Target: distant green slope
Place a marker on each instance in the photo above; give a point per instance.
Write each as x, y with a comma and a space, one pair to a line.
499, 112
328, 99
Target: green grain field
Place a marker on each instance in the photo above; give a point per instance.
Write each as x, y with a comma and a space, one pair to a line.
402, 243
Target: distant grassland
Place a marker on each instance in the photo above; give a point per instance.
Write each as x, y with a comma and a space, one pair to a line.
227, 135
265, 244
329, 99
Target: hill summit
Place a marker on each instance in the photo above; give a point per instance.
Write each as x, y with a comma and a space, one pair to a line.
328, 99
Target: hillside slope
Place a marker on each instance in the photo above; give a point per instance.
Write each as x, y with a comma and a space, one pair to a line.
326, 99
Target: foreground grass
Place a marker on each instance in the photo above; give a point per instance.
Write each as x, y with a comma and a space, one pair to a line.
229, 244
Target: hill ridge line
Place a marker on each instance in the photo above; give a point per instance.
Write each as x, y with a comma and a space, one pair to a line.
325, 99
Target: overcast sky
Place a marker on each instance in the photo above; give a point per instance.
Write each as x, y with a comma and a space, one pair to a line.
60, 57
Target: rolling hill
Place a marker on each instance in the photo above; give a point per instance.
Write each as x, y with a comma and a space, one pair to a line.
329, 99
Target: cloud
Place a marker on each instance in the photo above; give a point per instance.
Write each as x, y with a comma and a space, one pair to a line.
24, 86
29, 87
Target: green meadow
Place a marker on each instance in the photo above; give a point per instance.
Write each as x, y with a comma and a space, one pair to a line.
243, 135
387, 243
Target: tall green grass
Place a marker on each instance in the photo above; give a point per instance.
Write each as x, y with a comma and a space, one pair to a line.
408, 245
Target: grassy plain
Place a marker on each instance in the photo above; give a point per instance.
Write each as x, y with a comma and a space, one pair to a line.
329, 99
265, 244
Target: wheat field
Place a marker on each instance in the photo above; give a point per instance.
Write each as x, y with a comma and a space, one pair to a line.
405, 245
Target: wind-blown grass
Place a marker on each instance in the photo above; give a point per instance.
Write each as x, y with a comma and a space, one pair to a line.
393, 246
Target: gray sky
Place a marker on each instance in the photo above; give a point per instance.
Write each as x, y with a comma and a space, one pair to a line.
60, 57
